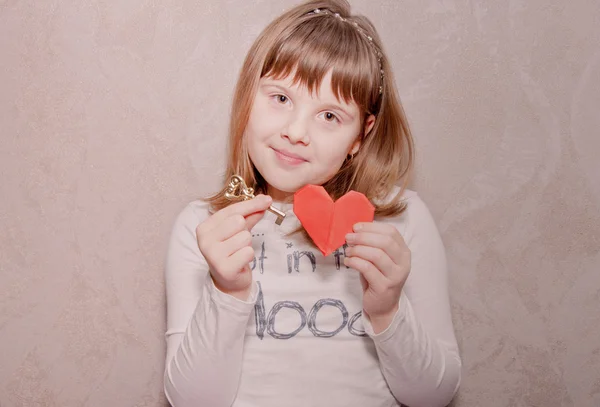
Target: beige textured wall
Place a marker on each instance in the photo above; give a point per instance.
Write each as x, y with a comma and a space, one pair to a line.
110, 117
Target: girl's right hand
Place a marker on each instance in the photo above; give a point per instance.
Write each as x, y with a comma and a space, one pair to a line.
225, 241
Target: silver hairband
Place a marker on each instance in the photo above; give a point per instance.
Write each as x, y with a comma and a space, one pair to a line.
355, 24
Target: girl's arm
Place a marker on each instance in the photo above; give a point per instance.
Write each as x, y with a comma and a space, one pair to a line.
205, 327
418, 352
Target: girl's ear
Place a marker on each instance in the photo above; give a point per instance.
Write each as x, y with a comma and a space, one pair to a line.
369, 123
355, 146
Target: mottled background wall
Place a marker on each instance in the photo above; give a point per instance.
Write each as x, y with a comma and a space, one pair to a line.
111, 114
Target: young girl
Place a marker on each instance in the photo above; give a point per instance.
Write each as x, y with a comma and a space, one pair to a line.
257, 316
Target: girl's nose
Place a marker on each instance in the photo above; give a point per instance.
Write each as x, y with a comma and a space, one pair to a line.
297, 131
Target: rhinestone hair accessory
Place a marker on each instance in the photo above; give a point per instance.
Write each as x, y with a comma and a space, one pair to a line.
322, 11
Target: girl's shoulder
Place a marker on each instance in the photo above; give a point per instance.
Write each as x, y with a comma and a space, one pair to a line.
194, 213
415, 216
409, 196
199, 206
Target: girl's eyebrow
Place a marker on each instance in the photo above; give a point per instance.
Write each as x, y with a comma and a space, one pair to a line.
344, 112
283, 88
326, 105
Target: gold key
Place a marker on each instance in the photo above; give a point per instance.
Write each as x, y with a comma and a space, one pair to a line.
238, 190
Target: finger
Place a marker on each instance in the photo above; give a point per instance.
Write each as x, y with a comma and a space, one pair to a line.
227, 228
239, 260
253, 219
384, 242
375, 256
381, 228
237, 242
367, 270
236, 223
363, 283
244, 208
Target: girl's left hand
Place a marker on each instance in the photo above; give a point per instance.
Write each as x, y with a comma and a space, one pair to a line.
379, 253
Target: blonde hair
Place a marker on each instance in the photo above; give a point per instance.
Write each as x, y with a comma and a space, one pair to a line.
310, 45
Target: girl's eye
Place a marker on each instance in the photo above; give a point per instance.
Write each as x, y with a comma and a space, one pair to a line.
331, 117
281, 98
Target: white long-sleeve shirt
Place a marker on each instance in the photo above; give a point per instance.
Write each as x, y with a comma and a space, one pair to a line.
301, 338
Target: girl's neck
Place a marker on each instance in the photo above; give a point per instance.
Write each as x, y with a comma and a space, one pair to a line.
280, 196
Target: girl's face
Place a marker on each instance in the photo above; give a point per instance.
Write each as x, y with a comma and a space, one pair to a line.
294, 139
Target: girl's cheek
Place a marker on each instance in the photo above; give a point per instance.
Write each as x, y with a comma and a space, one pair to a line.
277, 112
276, 118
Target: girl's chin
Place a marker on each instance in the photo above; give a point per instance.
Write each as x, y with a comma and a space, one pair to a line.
283, 191
279, 194
286, 185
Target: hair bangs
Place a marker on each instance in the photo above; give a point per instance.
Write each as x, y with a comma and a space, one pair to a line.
316, 45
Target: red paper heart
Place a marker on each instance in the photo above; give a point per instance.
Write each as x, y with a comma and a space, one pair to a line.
327, 222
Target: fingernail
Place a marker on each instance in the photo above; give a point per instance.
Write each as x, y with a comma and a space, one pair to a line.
357, 227
267, 199
350, 237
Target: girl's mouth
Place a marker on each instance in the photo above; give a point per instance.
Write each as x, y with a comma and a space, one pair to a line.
288, 158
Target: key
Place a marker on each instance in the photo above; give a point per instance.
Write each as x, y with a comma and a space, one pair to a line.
238, 190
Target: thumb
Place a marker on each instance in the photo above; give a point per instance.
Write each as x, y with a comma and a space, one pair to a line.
253, 219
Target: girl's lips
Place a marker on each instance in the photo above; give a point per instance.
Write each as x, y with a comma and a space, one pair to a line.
289, 158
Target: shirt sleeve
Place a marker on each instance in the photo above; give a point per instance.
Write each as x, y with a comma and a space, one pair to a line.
205, 327
418, 351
